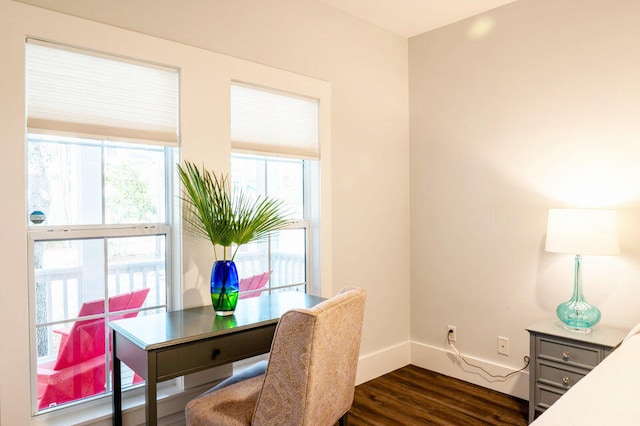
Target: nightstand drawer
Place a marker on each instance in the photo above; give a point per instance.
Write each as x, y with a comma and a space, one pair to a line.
546, 397
557, 376
570, 354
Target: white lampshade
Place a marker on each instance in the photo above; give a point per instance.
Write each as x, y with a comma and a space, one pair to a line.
582, 231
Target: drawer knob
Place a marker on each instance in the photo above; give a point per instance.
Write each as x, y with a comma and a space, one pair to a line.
215, 354
565, 355
565, 381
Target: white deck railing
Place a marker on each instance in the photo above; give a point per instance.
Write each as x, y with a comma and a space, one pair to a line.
286, 269
62, 290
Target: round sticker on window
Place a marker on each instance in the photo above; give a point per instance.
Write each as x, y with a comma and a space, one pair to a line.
37, 217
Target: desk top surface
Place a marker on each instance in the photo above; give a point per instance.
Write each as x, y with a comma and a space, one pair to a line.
157, 331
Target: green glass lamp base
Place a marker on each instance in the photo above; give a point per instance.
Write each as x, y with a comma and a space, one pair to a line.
578, 315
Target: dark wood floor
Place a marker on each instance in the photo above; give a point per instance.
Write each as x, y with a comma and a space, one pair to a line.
415, 396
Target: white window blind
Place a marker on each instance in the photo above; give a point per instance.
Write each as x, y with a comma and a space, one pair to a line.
270, 122
76, 93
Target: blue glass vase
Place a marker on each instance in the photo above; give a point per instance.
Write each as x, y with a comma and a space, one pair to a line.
224, 287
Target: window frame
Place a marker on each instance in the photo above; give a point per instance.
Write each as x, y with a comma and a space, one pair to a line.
305, 223
43, 233
170, 151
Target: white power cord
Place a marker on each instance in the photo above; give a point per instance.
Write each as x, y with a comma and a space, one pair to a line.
527, 360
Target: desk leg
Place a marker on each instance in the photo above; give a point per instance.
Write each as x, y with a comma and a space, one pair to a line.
117, 384
151, 394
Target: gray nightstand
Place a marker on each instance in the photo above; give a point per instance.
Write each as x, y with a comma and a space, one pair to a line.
559, 358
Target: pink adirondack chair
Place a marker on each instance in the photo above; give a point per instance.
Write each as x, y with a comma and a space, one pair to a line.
80, 370
253, 285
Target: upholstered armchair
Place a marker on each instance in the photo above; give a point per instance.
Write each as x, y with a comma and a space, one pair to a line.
310, 376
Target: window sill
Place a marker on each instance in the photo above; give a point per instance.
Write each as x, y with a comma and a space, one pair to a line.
99, 411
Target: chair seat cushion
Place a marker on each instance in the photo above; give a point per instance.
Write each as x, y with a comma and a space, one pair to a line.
232, 405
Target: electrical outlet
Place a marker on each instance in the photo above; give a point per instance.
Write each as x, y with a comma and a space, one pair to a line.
451, 333
503, 345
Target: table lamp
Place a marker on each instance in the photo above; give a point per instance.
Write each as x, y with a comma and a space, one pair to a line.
581, 232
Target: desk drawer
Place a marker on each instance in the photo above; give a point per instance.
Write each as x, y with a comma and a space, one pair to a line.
568, 354
558, 377
197, 356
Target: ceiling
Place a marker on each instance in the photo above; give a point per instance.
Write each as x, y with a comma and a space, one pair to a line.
412, 17
406, 18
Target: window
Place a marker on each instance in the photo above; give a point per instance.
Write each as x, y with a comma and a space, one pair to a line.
284, 253
275, 141
101, 140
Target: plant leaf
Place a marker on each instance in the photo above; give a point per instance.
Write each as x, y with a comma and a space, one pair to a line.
210, 211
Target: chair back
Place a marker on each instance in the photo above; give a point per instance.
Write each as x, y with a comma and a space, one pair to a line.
311, 374
86, 338
126, 301
253, 285
78, 345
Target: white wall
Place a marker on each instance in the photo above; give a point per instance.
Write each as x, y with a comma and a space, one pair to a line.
367, 70
531, 106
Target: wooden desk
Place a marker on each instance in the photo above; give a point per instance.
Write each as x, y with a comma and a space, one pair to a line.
164, 346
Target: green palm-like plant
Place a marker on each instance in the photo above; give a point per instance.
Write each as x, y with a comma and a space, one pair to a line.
213, 212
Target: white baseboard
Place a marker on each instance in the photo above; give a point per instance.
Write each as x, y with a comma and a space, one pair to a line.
447, 363
382, 362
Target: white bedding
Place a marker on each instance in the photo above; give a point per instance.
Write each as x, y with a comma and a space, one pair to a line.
608, 395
